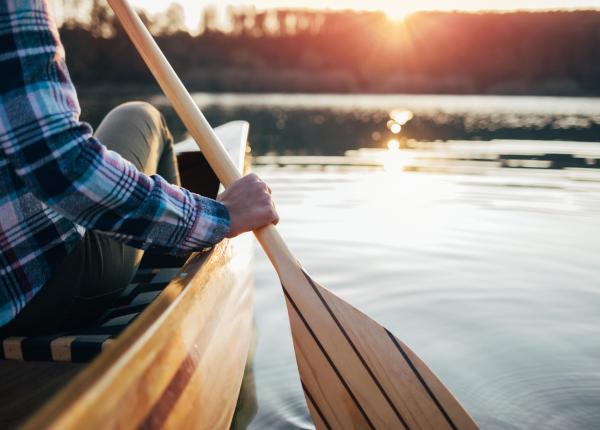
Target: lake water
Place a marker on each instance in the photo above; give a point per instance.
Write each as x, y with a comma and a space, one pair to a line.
494, 281
333, 124
487, 267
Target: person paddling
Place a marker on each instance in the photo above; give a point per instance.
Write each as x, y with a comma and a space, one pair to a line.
79, 208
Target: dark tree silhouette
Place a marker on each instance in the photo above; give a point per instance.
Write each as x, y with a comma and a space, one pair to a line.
301, 50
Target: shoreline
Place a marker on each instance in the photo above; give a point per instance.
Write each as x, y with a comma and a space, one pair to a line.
126, 88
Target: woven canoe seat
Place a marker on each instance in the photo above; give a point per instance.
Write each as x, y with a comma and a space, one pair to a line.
152, 277
82, 345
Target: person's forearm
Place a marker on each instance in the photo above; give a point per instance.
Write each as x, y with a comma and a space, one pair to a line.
59, 161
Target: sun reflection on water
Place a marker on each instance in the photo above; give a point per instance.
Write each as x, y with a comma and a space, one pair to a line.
401, 116
394, 160
395, 128
398, 118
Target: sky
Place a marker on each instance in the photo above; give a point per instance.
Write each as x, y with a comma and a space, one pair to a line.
394, 8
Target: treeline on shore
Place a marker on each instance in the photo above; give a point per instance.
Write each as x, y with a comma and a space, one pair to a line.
547, 53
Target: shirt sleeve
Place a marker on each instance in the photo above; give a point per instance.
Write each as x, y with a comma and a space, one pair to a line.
63, 165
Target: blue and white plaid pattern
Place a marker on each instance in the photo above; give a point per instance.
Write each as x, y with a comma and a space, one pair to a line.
57, 180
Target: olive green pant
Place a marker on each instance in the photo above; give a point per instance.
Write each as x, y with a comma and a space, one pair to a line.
92, 277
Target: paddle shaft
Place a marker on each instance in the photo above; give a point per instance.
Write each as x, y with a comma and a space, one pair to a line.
195, 122
354, 373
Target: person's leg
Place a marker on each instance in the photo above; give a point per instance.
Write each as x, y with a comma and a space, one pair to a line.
92, 277
138, 132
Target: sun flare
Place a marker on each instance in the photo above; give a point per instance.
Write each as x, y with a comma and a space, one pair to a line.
396, 12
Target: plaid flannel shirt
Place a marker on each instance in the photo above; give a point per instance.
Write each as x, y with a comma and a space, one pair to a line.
57, 180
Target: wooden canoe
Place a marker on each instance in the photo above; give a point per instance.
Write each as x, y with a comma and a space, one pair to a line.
179, 364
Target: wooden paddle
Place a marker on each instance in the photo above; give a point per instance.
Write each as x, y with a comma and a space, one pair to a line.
354, 372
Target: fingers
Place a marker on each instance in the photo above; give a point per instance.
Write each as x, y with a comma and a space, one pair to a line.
270, 215
252, 178
250, 204
255, 180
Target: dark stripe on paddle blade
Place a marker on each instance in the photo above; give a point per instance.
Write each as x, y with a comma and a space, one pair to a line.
333, 366
416, 372
315, 405
356, 351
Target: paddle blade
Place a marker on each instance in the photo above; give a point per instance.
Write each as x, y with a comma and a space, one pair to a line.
357, 375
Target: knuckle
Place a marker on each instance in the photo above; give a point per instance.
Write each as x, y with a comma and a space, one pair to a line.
264, 216
260, 191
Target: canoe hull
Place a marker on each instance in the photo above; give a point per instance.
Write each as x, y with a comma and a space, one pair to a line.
180, 363
184, 371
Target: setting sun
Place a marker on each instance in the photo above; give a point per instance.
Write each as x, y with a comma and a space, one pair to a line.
397, 12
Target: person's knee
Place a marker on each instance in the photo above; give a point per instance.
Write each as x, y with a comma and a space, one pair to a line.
146, 119
138, 111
